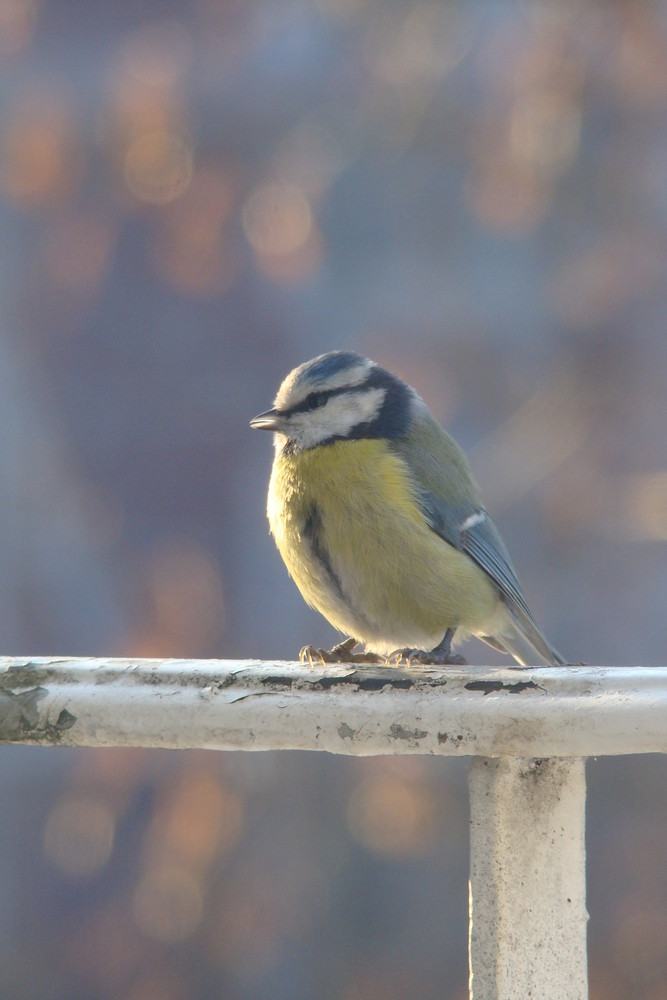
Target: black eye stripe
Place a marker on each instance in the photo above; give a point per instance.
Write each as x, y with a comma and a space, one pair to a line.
315, 399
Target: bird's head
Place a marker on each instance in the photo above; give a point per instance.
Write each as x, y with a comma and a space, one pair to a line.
338, 396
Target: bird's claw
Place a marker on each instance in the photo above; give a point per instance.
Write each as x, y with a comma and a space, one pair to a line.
341, 653
408, 657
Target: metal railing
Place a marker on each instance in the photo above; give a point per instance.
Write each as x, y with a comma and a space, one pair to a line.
528, 731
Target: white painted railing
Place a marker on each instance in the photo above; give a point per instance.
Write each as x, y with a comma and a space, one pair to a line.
528, 730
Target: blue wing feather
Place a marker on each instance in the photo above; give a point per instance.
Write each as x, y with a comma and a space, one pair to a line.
482, 542
440, 471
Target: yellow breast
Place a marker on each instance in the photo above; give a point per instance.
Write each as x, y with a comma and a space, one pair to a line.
395, 582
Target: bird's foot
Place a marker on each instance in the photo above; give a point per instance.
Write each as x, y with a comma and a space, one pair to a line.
440, 656
341, 653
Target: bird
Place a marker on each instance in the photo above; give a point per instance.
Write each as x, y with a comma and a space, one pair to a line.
379, 521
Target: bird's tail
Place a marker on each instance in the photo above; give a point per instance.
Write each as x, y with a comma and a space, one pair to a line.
522, 639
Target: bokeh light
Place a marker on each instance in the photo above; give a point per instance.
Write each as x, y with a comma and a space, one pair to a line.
40, 153
194, 252
158, 167
183, 602
277, 219
392, 815
545, 131
201, 820
646, 507
278, 222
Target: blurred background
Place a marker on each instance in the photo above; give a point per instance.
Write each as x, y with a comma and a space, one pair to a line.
196, 196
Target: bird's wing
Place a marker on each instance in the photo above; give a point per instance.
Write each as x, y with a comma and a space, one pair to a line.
449, 499
472, 531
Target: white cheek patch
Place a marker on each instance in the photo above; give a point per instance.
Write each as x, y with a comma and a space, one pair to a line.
337, 418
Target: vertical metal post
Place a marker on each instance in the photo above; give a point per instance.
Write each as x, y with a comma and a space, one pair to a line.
527, 879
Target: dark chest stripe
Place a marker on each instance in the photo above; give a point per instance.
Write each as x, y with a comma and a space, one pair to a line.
312, 534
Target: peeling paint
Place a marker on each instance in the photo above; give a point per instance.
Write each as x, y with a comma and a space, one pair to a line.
20, 718
449, 738
65, 720
52, 732
345, 732
406, 734
278, 682
363, 680
487, 687
19, 715
25, 675
249, 694
377, 678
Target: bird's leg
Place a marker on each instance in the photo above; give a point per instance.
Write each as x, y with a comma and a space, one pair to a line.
440, 656
340, 653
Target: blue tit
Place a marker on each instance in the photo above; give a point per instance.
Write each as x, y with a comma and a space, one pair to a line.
380, 523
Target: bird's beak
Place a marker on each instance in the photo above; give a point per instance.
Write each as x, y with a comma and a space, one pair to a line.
270, 420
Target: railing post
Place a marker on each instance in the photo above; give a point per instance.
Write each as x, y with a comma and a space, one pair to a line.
527, 879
